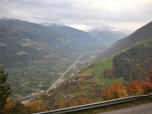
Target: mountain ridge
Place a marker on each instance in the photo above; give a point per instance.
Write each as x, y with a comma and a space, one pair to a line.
30, 36
131, 63
106, 36
142, 33
74, 34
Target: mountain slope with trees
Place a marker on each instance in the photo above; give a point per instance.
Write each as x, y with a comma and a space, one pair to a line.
74, 34
21, 43
107, 79
107, 75
142, 33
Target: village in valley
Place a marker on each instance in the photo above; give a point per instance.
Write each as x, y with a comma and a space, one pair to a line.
34, 91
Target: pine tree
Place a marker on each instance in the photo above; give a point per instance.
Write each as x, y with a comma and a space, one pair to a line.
5, 89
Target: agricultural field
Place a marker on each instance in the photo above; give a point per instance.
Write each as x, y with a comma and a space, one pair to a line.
41, 75
2, 44
97, 69
29, 43
100, 66
22, 53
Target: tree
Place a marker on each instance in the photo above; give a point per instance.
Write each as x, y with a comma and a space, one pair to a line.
5, 89
136, 88
115, 91
147, 85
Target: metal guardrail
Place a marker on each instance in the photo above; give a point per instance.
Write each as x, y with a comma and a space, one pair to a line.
94, 105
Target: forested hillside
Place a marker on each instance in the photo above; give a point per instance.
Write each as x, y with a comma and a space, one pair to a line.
142, 33
132, 64
90, 84
75, 34
22, 43
36, 56
13, 49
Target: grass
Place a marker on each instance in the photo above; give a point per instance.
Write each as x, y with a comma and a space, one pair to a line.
86, 91
82, 75
104, 82
30, 43
100, 66
144, 42
2, 44
121, 79
65, 42
39, 48
36, 74
50, 93
22, 53
76, 93
86, 86
52, 55
97, 69
114, 107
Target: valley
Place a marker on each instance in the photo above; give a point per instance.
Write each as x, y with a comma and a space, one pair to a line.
29, 82
130, 63
61, 66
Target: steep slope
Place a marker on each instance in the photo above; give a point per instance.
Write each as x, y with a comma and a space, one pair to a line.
107, 37
131, 64
13, 49
74, 34
32, 40
39, 31
142, 33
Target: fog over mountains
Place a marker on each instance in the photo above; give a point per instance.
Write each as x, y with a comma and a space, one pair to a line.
107, 36
74, 34
95, 36
145, 32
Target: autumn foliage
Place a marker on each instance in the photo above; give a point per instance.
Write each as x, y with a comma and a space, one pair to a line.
136, 88
147, 85
115, 91
144, 87
7, 106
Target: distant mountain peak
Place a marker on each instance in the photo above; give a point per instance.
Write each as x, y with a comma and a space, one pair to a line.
107, 35
74, 34
145, 32
52, 24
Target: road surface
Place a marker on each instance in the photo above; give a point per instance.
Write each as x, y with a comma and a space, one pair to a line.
51, 87
141, 109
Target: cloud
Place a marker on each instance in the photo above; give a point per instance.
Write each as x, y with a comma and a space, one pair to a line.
83, 14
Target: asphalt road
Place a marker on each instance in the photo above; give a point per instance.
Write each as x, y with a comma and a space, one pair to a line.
141, 109
51, 87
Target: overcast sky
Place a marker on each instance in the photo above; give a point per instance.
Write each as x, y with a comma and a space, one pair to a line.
81, 14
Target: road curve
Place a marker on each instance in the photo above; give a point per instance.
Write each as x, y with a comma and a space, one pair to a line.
141, 109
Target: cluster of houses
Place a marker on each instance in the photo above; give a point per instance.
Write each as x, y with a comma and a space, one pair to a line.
27, 40
34, 94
